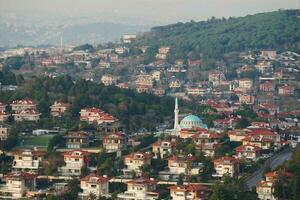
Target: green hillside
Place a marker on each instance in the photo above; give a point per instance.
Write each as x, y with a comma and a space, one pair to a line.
214, 37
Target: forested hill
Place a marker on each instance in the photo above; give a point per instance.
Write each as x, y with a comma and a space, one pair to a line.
215, 37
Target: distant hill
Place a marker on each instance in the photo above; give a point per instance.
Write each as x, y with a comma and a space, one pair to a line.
12, 35
215, 37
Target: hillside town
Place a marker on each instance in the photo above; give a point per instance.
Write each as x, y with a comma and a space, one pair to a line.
231, 120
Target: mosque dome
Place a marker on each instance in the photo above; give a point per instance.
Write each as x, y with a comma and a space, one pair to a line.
192, 121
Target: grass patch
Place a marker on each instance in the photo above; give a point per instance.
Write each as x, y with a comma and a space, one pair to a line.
36, 141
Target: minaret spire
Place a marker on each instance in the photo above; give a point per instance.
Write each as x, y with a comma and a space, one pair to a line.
176, 112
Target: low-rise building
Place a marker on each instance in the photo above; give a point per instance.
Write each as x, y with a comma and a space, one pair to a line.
226, 166
246, 99
207, 142
267, 86
76, 140
140, 189
286, 90
96, 115
163, 148
114, 142
94, 184
59, 108
20, 105
74, 161
3, 133
17, 185
2, 106
181, 164
216, 77
28, 160
26, 115
248, 152
4, 116
135, 161
108, 80
245, 84
189, 192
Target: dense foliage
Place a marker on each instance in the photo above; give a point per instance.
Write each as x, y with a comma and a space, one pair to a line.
132, 109
215, 37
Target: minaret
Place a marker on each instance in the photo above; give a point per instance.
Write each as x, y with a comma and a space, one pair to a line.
176, 112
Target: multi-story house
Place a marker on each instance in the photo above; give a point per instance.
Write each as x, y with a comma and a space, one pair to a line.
245, 84
76, 140
3, 133
216, 77
4, 116
175, 84
163, 148
135, 161
267, 86
59, 108
26, 115
248, 152
20, 105
226, 166
28, 160
265, 190
268, 54
207, 142
74, 160
95, 115
237, 135
94, 184
286, 90
127, 39
140, 189
264, 67
2, 106
108, 80
17, 185
114, 142
189, 192
145, 80
246, 99
163, 52
181, 164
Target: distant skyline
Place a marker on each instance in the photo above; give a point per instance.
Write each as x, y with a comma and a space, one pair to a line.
141, 11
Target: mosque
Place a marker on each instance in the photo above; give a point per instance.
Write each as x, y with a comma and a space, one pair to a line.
188, 122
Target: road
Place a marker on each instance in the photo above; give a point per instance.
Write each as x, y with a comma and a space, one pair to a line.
272, 162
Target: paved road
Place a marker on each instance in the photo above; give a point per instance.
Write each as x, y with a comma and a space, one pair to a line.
272, 162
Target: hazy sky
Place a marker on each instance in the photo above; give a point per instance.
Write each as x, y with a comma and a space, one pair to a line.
144, 11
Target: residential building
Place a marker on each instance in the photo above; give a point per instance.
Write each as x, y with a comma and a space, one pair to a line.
59, 108
286, 90
94, 184
2, 107
26, 115
246, 99
175, 84
127, 39
156, 75
207, 142
248, 152
181, 164
109, 80
267, 86
114, 142
265, 190
4, 116
245, 84
20, 105
144, 80
189, 192
135, 161
74, 161
268, 54
17, 185
28, 160
77, 140
3, 133
237, 135
226, 166
140, 189
144, 88
163, 148
96, 115
216, 77
264, 67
